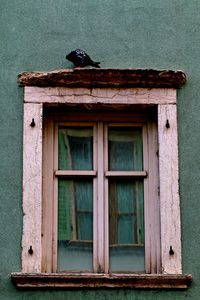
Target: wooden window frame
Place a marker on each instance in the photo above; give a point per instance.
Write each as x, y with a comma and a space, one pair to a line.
100, 182
138, 89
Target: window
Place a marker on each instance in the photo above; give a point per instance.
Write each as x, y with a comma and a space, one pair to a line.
100, 180
102, 193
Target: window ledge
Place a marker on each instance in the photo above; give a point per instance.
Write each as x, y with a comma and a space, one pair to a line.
135, 281
118, 78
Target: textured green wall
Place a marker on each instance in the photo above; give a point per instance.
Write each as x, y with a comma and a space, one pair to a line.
36, 35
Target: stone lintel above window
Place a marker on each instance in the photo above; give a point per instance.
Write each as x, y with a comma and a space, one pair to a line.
102, 78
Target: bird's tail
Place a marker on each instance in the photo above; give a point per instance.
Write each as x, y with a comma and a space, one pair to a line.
96, 64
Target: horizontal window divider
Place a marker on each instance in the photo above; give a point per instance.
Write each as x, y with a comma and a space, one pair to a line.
75, 173
88, 280
142, 174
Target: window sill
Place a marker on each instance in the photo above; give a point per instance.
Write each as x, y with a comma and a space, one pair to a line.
73, 281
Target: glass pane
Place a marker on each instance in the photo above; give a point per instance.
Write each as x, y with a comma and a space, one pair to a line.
75, 224
126, 225
75, 147
125, 149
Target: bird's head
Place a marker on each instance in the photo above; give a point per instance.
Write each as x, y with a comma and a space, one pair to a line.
68, 56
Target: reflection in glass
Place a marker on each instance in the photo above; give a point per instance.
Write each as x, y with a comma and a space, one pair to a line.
126, 200
75, 224
125, 149
75, 200
75, 147
126, 225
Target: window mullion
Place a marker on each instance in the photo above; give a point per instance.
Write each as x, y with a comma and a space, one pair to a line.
106, 199
146, 203
55, 205
95, 202
101, 209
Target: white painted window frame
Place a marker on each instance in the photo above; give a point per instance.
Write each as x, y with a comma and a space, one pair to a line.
165, 99
100, 175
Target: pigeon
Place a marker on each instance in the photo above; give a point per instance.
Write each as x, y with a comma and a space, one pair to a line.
81, 59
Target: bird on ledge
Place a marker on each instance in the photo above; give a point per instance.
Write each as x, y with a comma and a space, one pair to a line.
81, 59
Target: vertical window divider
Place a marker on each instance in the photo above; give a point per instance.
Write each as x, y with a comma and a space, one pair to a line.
55, 203
146, 202
106, 198
100, 201
154, 175
95, 200
47, 195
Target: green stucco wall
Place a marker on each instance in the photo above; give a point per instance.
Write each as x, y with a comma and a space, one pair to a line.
36, 35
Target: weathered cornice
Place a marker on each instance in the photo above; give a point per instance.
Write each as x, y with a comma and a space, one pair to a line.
103, 78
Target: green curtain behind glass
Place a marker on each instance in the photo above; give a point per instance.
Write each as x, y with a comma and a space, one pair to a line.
75, 200
126, 200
